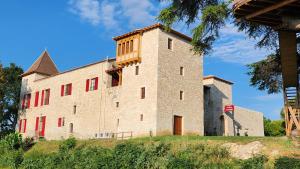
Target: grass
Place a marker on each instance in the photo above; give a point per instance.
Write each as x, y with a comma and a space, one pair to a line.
281, 144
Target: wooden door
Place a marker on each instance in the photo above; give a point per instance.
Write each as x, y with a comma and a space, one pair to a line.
177, 125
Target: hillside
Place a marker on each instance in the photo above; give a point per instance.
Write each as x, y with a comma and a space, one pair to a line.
163, 152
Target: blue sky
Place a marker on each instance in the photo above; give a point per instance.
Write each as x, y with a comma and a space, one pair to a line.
78, 32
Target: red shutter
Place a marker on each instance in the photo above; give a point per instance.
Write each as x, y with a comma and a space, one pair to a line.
96, 83
43, 126
23, 101
62, 90
20, 126
42, 100
28, 100
25, 122
59, 122
36, 102
70, 89
37, 120
87, 85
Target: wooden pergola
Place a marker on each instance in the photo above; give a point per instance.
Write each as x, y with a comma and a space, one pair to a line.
284, 17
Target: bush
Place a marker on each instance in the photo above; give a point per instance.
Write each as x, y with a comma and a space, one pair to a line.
126, 154
27, 143
256, 162
67, 145
286, 162
13, 141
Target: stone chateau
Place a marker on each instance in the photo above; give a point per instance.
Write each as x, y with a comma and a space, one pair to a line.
154, 86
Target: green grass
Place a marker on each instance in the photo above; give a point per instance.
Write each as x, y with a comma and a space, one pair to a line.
282, 144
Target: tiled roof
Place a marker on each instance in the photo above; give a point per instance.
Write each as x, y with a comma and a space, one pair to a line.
148, 28
43, 65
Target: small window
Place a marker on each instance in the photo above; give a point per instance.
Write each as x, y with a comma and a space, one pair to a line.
123, 48
181, 95
71, 127
63, 121
131, 45
68, 89
74, 109
119, 49
141, 117
59, 122
117, 104
136, 70
170, 44
47, 97
181, 71
118, 122
127, 47
143, 93
26, 101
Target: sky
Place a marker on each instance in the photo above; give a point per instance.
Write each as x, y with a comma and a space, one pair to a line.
79, 32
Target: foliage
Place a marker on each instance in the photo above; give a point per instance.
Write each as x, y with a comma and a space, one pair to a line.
67, 145
254, 162
274, 127
10, 84
286, 162
13, 141
266, 74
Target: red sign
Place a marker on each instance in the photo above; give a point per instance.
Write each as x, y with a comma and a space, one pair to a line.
229, 108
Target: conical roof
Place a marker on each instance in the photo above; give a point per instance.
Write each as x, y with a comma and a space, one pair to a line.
43, 65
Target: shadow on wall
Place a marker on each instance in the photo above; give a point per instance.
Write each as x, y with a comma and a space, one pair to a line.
24, 90
213, 110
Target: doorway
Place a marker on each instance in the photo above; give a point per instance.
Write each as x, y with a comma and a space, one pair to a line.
177, 130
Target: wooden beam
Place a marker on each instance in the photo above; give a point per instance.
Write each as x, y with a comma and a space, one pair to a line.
270, 8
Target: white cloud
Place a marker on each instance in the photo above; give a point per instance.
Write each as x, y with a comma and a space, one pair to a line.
138, 12
87, 10
236, 47
108, 12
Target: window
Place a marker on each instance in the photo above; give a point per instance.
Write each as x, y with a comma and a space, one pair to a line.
136, 70
117, 104
59, 123
118, 122
143, 93
123, 48
22, 125
66, 89
127, 47
131, 45
47, 97
170, 44
36, 102
26, 101
92, 84
74, 109
115, 79
181, 95
181, 71
141, 117
71, 127
119, 49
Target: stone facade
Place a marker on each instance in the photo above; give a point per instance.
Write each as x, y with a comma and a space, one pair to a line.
165, 82
241, 121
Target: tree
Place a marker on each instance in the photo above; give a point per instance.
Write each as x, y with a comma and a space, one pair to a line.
210, 16
10, 85
274, 127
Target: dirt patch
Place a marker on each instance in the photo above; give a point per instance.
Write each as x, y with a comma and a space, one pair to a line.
244, 151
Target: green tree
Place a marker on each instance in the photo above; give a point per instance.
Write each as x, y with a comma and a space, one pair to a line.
210, 16
10, 84
274, 127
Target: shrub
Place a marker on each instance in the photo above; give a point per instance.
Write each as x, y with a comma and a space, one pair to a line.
126, 154
12, 158
256, 162
67, 145
27, 143
286, 162
13, 141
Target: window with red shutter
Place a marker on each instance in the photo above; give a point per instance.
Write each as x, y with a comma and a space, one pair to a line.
70, 89
43, 126
96, 83
59, 122
28, 100
36, 101
20, 126
62, 92
47, 97
87, 85
42, 99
